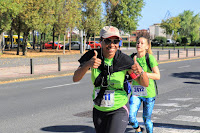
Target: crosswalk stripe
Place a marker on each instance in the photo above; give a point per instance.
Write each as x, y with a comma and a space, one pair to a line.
196, 109
187, 118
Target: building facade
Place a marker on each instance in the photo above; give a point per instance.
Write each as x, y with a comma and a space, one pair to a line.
155, 30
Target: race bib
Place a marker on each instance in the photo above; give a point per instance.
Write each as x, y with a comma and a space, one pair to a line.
139, 90
108, 98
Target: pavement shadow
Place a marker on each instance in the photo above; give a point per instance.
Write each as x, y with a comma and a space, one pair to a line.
190, 75
69, 128
192, 82
175, 126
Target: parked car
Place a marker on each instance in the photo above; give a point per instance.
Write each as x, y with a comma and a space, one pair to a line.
49, 45
170, 41
155, 43
75, 45
92, 43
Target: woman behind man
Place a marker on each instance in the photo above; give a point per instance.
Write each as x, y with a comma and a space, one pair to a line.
143, 46
108, 69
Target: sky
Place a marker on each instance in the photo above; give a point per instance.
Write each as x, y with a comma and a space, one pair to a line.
156, 10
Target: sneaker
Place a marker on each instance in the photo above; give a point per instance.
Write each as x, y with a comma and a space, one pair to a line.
142, 130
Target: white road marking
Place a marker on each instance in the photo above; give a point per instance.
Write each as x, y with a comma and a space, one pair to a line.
164, 111
168, 129
172, 105
187, 118
60, 85
181, 99
162, 70
184, 66
196, 109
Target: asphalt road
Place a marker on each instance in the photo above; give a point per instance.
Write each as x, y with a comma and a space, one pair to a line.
59, 105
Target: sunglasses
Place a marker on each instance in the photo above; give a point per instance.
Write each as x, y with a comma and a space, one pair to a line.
108, 41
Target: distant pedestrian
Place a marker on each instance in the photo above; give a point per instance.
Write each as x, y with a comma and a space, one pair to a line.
120, 44
147, 96
108, 69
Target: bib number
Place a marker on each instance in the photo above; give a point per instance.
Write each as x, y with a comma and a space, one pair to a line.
108, 98
139, 90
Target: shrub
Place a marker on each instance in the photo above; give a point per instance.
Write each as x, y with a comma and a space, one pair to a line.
197, 43
184, 40
159, 40
132, 44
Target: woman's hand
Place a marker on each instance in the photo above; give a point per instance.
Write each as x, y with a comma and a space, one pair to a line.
136, 68
141, 76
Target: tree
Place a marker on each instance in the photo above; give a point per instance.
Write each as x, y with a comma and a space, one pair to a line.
8, 11
171, 26
60, 20
92, 21
195, 24
46, 11
31, 19
73, 15
124, 14
190, 24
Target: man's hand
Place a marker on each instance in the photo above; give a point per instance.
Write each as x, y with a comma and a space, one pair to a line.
95, 62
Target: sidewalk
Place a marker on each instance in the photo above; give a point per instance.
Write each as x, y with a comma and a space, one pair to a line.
22, 73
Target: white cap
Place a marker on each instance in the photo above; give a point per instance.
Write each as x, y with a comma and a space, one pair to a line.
109, 31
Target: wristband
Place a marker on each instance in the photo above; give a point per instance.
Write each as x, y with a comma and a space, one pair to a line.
133, 75
142, 72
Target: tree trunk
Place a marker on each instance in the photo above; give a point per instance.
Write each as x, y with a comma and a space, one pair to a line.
33, 39
64, 44
18, 42
1, 43
84, 42
10, 41
25, 37
41, 43
94, 41
44, 41
53, 38
58, 42
70, 39
11, 36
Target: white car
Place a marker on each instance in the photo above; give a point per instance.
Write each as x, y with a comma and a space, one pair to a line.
170, 41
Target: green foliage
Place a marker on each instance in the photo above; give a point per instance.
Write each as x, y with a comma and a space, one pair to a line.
185, 24
73, 13
132, 44
8, 11
59, 15
197, 43
190, 24
178, 40
171, 25
125, 14
184, 40
160, 39
46, 13
92, 21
